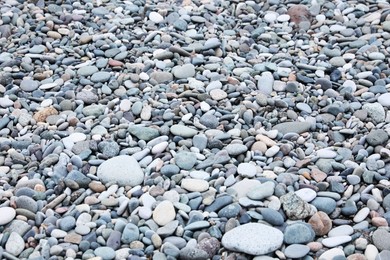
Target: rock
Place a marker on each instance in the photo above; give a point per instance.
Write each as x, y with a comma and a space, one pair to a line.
130, 233
101, 76
272, 216
192, 253
333, 253
183, 72
194, 185
123, 170
255, 239
105, 252
298, 233
164, 213
7, 214
377, 137
296, 251
262, 191
292, 127
295, 207
183, 131
265, 83
15, 244
384, 100
381, 239
375, 111
143, 133
336, 241
185, 160
321, 223
236, 149
246, 170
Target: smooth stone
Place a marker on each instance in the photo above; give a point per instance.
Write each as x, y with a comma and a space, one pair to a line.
265, 83
296, 251
183, 131
384, 100
101, 76
105, 252
236, 149
183, 72
321, 223
261, 191
130, 233
144, 133
246, 170
324, 204
381, 239
15, 244
343, 230
336, 241
361, 215
7, 214
164, 213
377, 137
123, 170
332, 254
255, 239
185, 160
194, 185
299, 233
292, 127
272, 216
306, 194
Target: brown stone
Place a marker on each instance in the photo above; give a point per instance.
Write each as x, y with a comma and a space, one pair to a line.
41, 115
209, 245
318, 175
315, 246
356, 256
115, 63
321, 223
73, 238
96, 186
259, 146
379, 222
299, 13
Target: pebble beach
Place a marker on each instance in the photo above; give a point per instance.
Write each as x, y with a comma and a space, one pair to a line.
195, 129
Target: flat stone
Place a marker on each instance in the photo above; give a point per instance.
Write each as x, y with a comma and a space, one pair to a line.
255, 239
381, 239
306, 194
336, 241
343, 230
332, 254
183, 72
101, 76
246, 170
296, 251
375, 111
292, 127
236, 149
194, 185
123, 170
183, 131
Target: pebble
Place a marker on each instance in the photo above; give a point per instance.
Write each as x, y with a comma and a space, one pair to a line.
255, 239
296, 251
123, 170
7, 214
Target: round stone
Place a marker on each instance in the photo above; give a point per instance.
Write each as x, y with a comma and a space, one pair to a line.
123, 170
164, 213
246, 170
255, 239
7, 214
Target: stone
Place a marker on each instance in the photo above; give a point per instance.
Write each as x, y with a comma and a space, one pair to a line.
184, 72
298, 233
246, 170
261, 191
164, 213
296, 251
381, 239
123, 170
236, 149
7, 214
332, 254
185, 160
294, 207
105, 252
143, 133
306, 194
336, 241
377, 137
292, 127
375, 111
130, 233
194, 185
272, 216
321, 223
255, 239
324, 204
15, 244
183, 131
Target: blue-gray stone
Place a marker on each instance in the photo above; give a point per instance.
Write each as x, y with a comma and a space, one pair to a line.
130, 233
299, 233
324, 204
67, 223
272, 216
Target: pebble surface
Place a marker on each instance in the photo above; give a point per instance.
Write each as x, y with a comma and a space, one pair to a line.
194, 129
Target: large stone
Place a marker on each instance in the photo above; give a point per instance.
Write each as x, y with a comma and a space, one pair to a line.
293, 127
123, 170
253, 239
